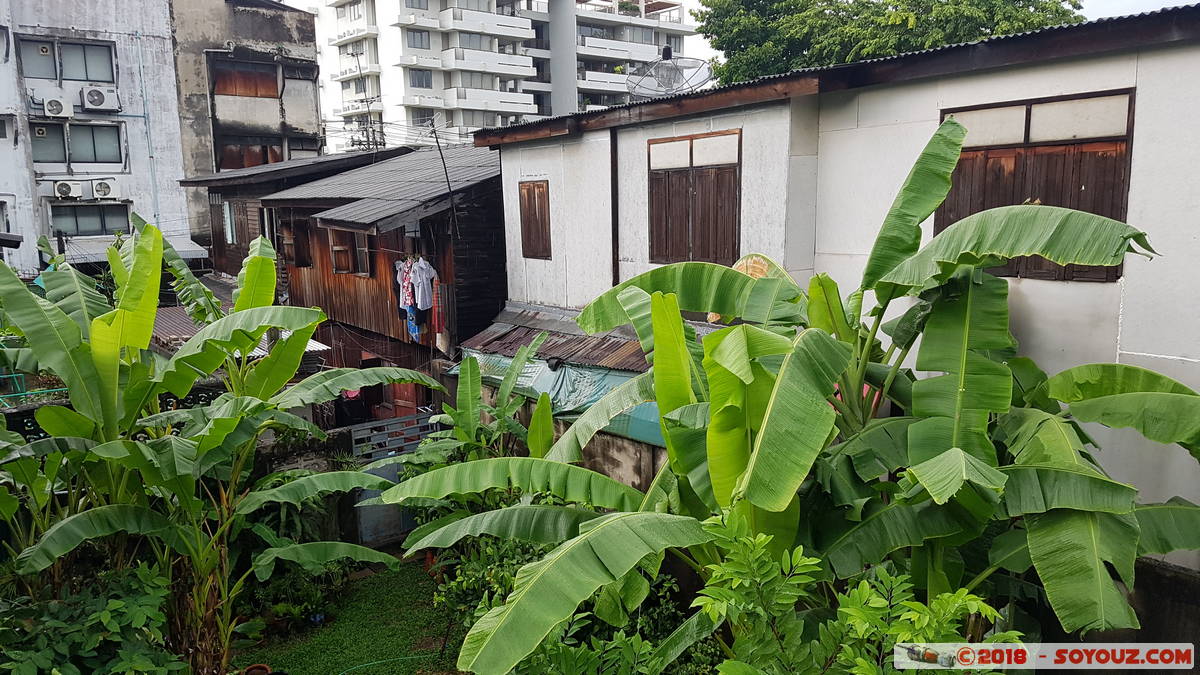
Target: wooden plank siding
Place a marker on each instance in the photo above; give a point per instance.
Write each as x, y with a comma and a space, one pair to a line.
228, 257
467, 252
1088, 176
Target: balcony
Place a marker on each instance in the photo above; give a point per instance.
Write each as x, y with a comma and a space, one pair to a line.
591, 80
535, 85
530, 9
490, 100
427, 61
338, 3
423, 101
357, 108
355, 33
474, 21
414, 20
353, 71
615, 50
488, 62
665, 16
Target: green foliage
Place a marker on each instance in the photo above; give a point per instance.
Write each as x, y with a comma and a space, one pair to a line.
765, 37
116, 625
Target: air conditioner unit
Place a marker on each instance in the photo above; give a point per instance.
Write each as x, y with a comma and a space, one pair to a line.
106, 188
56, 106
99, 98
68, 189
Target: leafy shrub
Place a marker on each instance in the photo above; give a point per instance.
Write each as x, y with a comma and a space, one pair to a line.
117, 626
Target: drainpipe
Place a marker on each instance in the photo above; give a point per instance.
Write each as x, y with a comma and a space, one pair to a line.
615, 205
149, 134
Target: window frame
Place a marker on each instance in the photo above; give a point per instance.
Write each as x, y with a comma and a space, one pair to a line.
1033, 267
101, 208
359, 249
228, 223
56, 56
62, 137
416, 4
410, 35
70, 129
220, 83
426, 75
671, 179
531, 224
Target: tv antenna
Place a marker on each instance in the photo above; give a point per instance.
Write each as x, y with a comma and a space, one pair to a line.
667, 76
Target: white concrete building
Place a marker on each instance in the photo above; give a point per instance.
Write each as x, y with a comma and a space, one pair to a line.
803, 167
89, 124
390, 69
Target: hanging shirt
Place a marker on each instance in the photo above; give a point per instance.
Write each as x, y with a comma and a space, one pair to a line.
404, 276
423, 275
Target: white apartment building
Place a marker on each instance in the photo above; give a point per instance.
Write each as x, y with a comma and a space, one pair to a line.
392, 68
89, 126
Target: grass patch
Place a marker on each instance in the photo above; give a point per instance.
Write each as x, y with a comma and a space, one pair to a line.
385, 616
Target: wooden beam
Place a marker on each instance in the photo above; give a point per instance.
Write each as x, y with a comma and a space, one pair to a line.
563, 126
702, 102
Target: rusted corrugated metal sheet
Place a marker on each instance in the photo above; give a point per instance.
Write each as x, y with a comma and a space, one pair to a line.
173, 327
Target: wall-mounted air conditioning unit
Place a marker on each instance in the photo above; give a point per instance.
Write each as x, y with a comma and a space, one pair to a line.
99, 98
106, 188
56, 106
68, 189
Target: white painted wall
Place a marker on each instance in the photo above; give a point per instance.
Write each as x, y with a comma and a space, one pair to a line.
868, 139
145, 75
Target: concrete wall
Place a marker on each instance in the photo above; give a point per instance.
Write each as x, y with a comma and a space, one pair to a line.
869, 137
578, 171
204, 27
145, 77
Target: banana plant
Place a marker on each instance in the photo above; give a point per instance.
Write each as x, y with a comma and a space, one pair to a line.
178, 479
778, 418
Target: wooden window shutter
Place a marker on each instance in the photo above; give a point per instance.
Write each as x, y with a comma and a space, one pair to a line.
715, 202
669, 197
659, 217
1102, 188
535, 219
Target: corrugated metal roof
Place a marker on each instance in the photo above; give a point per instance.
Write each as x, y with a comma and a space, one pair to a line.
800, 72
294, 167
416, 176
519, 323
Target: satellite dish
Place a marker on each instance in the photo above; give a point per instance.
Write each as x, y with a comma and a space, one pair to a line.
668, 76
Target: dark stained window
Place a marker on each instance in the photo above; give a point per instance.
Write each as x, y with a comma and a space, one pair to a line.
1087, 174
695, 199
235, 78
535, 219
238, 152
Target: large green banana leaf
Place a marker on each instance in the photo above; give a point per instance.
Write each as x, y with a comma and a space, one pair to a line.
269, 374
316, 485
516, 368
68, 533
739, 390
797, 421
849, 546
236, 334
879, 449
257, 278
328, 384
1170, 526
58, 420
1010, 551
688, 429
1034, 488
168, 463
631, 393
956, 405
313, 557
541, 427
56, 342
541, 524
1095, 380
75, 293
924, 189
991, 237
1071, 550
201, 304
1159, 416
826, 311
696, 628
700, 287
132, 321
944, 475
528, 474
468, 400
1037, 437
548, 591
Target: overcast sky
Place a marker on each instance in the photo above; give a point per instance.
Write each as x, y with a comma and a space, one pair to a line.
1093, 9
